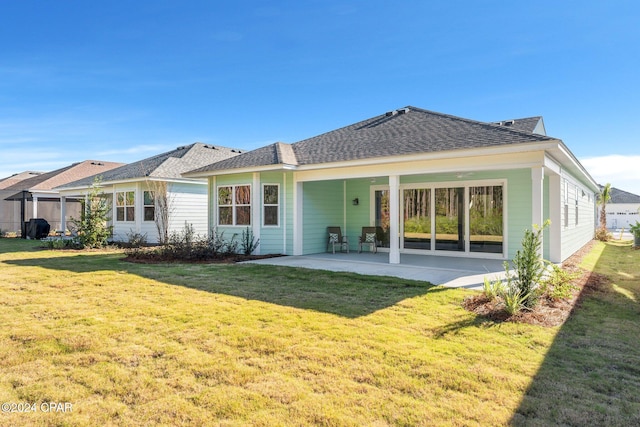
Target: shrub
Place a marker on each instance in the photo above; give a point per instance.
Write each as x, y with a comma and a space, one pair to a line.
136, 240
602, 234
558, 284
92, 228
514, 300
529, 266
248, 244
492, 288
61, 243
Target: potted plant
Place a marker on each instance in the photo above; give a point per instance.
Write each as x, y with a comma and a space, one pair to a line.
635, 230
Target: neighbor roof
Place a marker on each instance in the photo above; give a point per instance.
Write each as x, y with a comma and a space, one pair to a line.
409, 130
169, 165
620, 196
17, 177
49, 180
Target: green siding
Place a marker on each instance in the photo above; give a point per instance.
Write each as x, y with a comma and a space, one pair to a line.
357, 216
323, 206
272, 237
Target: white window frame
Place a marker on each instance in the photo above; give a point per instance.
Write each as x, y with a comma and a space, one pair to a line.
125, 206
277, 205
144, 206
234, 206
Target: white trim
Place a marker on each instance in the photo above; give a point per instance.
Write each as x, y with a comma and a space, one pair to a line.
234, 206
555, 213
256, 210
537, 201
135, 180
284, 212
262, 205
297, 216
394, 214
344, 205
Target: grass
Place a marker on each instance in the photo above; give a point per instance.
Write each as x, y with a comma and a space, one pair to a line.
133, 344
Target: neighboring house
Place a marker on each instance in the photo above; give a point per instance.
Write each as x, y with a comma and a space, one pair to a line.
434, 183
37, 197
9, 209
136, 192
623, 209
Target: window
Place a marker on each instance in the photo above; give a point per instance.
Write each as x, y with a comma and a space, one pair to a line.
125, 210
149, 206
270, 204
234, 205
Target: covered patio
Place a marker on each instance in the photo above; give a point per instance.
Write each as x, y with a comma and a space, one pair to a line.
449, 271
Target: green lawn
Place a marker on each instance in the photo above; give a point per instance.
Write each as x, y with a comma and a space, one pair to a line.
131, 344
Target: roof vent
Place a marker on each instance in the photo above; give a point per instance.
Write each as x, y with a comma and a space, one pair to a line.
506, 123
403, 111
391, 113
97, 163
182, 147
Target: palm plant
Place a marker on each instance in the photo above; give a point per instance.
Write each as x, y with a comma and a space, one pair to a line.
603, 198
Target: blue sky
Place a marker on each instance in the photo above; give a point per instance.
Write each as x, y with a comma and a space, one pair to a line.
122, 81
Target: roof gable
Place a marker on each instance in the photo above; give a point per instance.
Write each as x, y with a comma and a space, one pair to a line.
620, 196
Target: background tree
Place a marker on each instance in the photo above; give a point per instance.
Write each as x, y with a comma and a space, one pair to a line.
603, 198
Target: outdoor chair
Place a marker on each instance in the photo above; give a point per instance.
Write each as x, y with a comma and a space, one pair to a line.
335, 238
370, 237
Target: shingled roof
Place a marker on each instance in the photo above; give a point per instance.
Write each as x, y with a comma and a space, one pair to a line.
527, 124
17, 177
169, 165
621, 196
50, 180
406, 131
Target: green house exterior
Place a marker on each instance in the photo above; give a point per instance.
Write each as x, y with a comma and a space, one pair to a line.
435, 185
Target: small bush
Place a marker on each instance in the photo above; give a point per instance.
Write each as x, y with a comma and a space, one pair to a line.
492, 288
248, 244
514, 300
61, 243
136, 240
602, 234
558, 284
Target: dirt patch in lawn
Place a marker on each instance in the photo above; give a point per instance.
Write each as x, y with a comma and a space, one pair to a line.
548, 311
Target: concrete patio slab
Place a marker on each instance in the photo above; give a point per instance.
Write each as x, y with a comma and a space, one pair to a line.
454, 272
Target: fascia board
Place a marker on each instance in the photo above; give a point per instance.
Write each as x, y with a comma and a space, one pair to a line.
266, 168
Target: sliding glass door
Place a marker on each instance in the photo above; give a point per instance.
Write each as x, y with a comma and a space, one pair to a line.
417, 218
485, 219
450, 226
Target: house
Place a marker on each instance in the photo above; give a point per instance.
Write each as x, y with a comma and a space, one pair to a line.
623, 209
36, 196
435, 184
151, 197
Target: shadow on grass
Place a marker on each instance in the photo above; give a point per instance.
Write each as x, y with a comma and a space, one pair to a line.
591, 374
344, 294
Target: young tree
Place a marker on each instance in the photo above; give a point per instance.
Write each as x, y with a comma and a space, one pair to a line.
92, 227
162, 209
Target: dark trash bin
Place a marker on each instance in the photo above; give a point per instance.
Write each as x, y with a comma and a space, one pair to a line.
37, 228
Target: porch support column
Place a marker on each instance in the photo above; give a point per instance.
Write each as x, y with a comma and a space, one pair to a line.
297, 216
537, 200
256, 221
63, 214
555, 214
394, 213
35, 206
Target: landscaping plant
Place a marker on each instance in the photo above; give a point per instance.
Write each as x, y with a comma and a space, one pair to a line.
92, 227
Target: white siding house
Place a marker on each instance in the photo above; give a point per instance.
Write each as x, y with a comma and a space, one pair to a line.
134, 191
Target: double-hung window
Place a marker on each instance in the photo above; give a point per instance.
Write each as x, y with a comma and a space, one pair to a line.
125, 206
149, 206
270, 205
234, 205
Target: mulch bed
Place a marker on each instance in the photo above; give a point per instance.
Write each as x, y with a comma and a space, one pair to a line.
154, 258
547, 312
